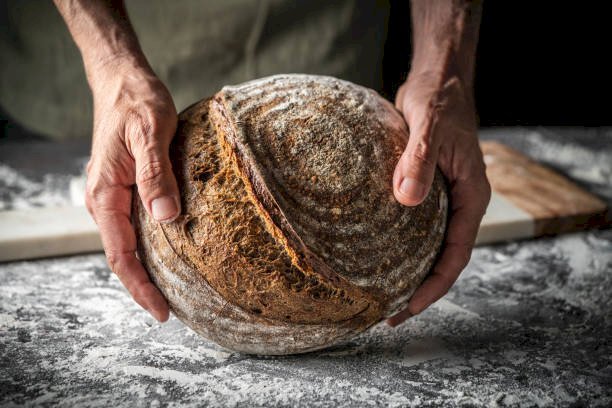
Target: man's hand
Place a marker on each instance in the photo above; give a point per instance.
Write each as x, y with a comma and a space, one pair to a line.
134, 122
438, 105
442, 126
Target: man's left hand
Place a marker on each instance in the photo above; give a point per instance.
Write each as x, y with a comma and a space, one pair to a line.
442, 121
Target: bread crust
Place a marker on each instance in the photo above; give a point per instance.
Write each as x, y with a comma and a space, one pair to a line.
290, 239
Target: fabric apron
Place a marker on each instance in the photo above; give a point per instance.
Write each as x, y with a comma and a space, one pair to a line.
194, 46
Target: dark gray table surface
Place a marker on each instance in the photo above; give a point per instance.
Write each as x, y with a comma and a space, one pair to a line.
527, 324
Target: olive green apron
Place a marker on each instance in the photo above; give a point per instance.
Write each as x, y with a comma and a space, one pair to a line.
194, 46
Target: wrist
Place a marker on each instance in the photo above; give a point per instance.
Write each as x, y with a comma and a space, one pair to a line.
445, 36
105, 37
440, 66
441, 84
104, 70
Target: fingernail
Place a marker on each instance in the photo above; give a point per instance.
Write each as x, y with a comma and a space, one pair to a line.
164, 208
413, 189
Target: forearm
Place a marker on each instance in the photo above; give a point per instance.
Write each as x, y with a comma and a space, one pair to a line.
103, 34
445, 35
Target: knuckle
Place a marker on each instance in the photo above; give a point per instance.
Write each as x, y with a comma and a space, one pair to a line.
151, 173
463, 262
149, 128
153, 126
423, 152
448, 281
89, 205
94, 192
461, 255
89, 166
484, 188
139, 131
102, 202
91, 198
463, 258
115, 260
444, 291
487, 190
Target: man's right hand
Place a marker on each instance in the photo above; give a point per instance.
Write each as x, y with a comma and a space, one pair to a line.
134, 122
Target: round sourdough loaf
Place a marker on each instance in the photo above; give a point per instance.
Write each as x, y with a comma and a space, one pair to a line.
290, 238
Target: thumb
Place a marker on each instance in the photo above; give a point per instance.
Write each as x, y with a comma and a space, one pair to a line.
156, 183
415, 170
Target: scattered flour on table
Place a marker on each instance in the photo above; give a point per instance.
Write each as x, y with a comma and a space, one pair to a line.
419, 351
457, 311
18, 192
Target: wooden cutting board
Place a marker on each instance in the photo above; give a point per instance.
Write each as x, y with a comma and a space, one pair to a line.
529, 200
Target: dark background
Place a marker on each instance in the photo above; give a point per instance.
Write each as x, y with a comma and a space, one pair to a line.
538, 63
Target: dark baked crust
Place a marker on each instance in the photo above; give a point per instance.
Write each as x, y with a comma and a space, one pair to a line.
274, 255
321, 154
